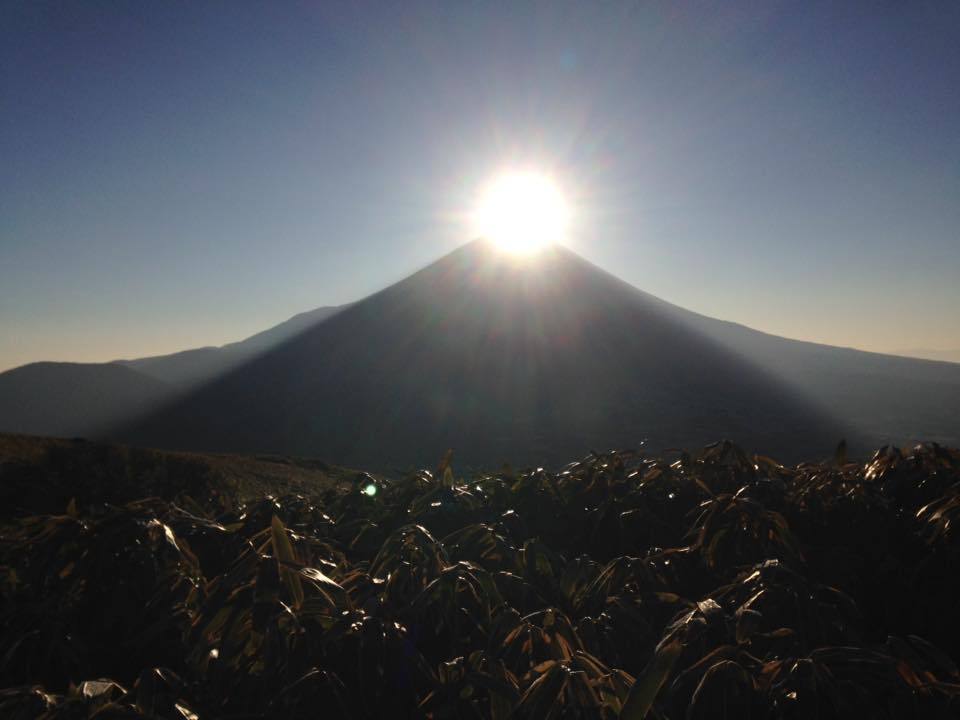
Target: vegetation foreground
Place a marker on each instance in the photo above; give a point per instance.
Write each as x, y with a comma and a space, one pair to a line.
706, 585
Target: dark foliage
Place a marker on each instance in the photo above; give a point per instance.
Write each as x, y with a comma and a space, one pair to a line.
715, 585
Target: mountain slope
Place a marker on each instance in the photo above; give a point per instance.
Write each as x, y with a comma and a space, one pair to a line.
499, 360
190, 368
82, 399
887, 398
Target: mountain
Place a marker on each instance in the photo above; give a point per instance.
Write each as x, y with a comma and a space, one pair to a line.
505, 360
526, 362
83, 399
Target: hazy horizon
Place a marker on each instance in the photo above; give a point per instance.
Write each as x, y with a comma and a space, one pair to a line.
177, 176
920, 353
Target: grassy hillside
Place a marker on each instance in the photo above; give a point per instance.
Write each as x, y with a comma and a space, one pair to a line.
712, 584
42, 475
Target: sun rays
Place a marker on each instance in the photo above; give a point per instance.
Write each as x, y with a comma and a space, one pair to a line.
522, 212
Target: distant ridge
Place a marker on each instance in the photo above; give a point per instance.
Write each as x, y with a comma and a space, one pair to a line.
928, 354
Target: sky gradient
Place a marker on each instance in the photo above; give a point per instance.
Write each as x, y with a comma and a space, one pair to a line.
183, 174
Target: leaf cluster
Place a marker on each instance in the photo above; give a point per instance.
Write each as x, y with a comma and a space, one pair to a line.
715, 584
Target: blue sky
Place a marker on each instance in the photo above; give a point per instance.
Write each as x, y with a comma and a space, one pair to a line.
180, 174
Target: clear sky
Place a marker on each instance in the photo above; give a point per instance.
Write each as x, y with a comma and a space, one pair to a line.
176, 174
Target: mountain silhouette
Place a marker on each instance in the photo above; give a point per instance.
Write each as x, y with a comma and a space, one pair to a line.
501, 360
506, 360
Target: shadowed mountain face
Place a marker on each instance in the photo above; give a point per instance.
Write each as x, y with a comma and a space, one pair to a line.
500, 360
190, 368
68, 399
888, 399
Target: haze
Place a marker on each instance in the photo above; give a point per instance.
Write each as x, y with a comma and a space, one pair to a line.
173, 175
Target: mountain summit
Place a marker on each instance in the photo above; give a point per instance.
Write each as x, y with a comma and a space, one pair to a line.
526, 361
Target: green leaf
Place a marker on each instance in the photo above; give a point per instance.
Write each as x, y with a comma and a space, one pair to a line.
283, 551
647, 686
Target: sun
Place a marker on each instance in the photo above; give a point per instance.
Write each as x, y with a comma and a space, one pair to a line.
522, 212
